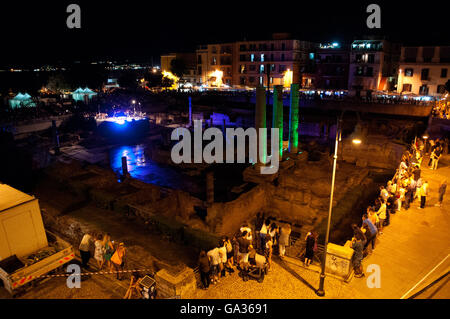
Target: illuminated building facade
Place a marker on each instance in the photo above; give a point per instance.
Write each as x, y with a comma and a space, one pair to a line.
271, 61
424, 70
373, 66
213, 61
332, 66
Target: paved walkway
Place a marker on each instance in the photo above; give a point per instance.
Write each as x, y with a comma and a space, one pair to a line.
414, 244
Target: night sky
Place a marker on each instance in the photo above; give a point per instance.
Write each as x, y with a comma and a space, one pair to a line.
36, 32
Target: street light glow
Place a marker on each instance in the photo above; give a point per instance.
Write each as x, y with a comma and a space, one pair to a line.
356, 141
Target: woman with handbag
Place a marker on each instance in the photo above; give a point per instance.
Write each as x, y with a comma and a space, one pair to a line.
118, 260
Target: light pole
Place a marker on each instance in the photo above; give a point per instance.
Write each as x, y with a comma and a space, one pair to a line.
356, 140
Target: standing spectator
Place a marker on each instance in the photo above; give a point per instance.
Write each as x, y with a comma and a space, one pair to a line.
435, 156
118, 260
99, 251
370, 231
235, 244
108, 250
416, 172
358, 244
384, 194
381, 216
263, 233
246, 228
269, 251
230, 254
423, 192
357, 232
283, 241
442, 189
309, 252
223, 258
214, 260
85, 249
244, 243
204, 267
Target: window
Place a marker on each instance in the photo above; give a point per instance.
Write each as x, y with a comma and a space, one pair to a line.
369, 71
252, 57
281, 68
251, 79
199, 59
371, 58
242, 47
406, 88
283, 46
359, 70
441, 89
271, 57
261, 80
199, 70
242, 57
262, 57
242, 80
282, 57
272, 67
443, 73
272, 46
252, 67
261, 68
424, 74
271, 80
409, 72
242, 69
213, 50
214, 61
423, 90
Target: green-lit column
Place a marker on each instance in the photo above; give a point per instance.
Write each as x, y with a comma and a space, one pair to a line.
277, 118
293, 119
260, 122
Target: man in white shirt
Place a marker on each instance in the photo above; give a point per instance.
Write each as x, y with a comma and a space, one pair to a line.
214, 259
85, 249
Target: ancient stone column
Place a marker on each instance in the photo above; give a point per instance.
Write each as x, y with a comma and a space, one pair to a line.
277, 117
210, 187
190, 111
293, 119
124, 166
260, 121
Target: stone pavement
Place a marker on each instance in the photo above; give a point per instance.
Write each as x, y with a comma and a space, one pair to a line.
413, 244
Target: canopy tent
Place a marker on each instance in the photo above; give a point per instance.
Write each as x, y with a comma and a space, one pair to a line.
81, 94
21, 100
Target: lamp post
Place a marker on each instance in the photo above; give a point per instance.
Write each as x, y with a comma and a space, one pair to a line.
356, 140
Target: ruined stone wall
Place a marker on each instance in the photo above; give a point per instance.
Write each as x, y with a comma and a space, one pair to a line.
376, 151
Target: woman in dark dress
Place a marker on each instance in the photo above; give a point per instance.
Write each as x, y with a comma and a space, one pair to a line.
310, 243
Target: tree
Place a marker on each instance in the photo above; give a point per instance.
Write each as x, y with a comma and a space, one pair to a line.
166, 82
153, 79
178, 68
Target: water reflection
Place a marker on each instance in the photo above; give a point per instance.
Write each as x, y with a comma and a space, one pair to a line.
144, 169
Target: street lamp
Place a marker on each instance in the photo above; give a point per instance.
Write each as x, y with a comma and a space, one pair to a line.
356, 139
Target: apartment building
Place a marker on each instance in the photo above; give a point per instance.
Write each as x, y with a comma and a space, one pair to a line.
214, 58
373, 66
279, 61
424, 70
332, 66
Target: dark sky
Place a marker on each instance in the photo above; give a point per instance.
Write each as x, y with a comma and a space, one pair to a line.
36, 32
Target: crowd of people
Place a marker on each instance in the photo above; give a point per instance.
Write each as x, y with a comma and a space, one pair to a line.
249, 251
401, 191
106, 253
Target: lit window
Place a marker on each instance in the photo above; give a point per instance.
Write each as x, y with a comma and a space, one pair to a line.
262, 57
252, 57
